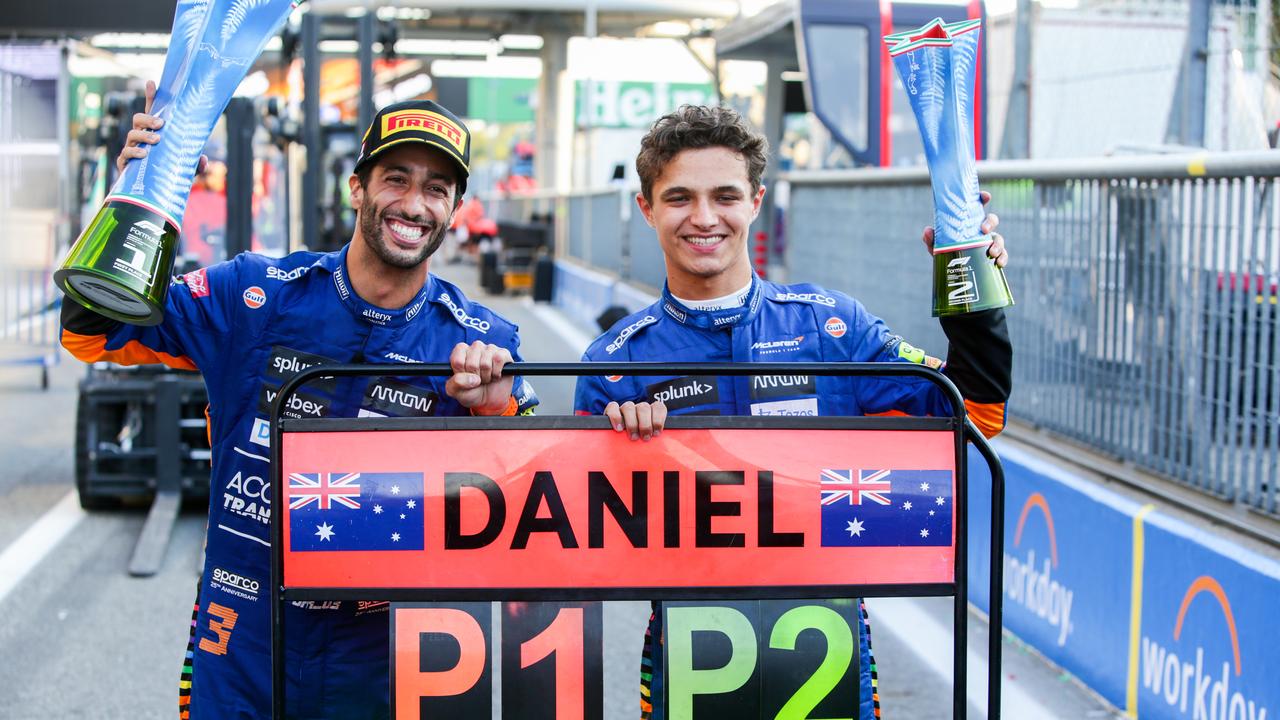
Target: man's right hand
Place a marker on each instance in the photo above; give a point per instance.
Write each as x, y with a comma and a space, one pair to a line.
642, 420
143, 134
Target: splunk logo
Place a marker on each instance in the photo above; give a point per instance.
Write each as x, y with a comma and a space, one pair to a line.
1191, 685
1035, 587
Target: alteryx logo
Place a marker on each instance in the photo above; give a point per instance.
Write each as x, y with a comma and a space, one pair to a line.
1187, 678
1030, 582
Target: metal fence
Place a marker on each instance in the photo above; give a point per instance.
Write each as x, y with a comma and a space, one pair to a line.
28, 319
1146, 324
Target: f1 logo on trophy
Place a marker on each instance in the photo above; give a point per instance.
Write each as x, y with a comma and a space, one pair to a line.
937, 65
121, 263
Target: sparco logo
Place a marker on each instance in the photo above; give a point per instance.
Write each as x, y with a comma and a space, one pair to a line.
230, 579
685, 392
255, 297
779, 345
806, 297
379, 317
276, 273
627, 332
462, 316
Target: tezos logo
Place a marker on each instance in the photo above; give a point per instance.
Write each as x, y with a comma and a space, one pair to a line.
835, 327
255, 297
1192, 686
1035, 588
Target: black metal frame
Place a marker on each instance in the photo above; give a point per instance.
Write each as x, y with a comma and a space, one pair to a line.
957, 422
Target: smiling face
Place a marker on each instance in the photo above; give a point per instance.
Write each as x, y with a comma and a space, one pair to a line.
702, 207
406, 205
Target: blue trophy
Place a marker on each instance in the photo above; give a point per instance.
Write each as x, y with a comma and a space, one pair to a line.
937, 65
121, 263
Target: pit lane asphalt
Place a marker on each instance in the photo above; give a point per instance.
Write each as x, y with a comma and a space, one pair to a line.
79, 638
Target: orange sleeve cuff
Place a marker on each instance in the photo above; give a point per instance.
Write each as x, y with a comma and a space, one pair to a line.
989, 417
508, 411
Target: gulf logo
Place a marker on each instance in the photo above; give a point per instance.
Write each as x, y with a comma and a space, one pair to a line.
613, 378
835, 327
1192, 687
1034, 587
254, 297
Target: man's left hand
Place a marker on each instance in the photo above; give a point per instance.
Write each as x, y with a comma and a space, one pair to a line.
477, 382
996, 250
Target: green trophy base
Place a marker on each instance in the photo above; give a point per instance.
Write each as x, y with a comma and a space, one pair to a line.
120, 265
966, 281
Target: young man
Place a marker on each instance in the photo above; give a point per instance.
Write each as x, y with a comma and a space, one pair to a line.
250, 323
700, 171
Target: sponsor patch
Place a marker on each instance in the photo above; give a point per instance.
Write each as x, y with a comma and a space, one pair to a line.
391, 398
911, 353
376, 317
248, 496
241, 586
806, 297
613, 378
340, 282
300, 405
197, 283
835, 327
800, 407
426, 121
461, 315
286, 362
255, 297
675, 312
773, 386
685, 392
769, 347
261, 432
276, 273
627, 332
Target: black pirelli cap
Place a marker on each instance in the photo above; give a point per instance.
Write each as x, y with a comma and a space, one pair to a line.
419, 121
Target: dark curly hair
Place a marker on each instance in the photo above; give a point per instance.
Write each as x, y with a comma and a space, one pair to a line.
699, 126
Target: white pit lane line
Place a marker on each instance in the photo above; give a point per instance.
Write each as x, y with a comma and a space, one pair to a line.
930, 640
32, 546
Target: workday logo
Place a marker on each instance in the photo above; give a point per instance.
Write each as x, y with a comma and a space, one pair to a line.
1032, 585
1189, 682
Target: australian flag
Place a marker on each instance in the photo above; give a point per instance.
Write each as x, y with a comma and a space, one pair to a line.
886, 508
355, 511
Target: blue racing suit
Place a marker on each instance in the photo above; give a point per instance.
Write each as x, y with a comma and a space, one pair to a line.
248, 325
792, 323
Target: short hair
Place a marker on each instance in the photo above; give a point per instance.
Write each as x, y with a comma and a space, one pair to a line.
699, 126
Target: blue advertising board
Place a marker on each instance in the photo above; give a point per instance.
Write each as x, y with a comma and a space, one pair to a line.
1208, 644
